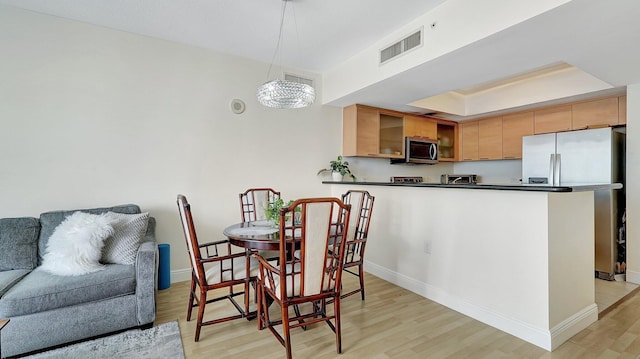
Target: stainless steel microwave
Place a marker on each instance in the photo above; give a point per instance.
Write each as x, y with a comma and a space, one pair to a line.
419, 150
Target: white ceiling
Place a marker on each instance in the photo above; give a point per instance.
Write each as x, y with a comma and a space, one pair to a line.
598, 37
328, 31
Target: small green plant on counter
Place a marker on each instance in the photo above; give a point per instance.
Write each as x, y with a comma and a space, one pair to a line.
338, 166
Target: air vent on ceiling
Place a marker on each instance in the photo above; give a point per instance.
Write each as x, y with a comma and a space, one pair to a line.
408, 43
298, 79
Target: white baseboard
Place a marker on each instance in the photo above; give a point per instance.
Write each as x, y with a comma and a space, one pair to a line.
544, 338
180, 275
633, 277
573, 325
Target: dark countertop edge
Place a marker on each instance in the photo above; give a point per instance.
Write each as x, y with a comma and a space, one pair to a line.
505, 187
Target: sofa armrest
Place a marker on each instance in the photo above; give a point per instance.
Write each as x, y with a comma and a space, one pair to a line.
146, 276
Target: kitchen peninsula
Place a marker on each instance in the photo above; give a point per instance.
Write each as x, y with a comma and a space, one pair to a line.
517, 257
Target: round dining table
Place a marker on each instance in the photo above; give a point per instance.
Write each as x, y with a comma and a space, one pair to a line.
255, 235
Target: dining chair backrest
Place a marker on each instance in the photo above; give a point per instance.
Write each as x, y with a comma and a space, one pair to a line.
254, 201
306, 226
362, 206
191, 238
359, 221
309, 269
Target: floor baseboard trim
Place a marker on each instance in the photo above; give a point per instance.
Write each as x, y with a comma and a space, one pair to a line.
180, 275
541, 337
633, 277
573, 325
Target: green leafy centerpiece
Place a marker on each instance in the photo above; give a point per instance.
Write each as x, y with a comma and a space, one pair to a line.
272, 212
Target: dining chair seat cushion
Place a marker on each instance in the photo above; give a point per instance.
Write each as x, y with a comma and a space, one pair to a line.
212, 270
293, 289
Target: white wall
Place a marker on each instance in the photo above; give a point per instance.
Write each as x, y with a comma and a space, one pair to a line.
493, 172
379, 170
95, 117
507, 258
633, 187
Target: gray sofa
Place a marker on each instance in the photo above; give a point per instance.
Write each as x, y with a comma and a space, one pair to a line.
48, 310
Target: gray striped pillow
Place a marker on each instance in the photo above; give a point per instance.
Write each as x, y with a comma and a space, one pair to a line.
129, 230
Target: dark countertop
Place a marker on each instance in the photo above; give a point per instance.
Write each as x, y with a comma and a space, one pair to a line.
505, 187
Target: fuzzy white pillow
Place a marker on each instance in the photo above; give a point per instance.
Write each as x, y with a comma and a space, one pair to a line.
76, 244
128, 233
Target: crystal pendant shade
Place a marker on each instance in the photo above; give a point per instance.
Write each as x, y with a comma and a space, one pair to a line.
285, 94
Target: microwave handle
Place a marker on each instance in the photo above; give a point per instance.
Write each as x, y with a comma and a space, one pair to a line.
433, 152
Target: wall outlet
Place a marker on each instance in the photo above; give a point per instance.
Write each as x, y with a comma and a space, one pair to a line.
427, 246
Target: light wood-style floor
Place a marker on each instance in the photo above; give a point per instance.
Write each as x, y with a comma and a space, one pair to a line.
610, 293
396, 323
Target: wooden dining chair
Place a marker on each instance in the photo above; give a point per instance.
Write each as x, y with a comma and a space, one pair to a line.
214, 266
362, 207
254, 201
252, 205
313, 276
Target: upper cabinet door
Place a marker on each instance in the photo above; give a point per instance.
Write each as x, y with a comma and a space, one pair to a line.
469, 135
490, 138
418, 126
391, 135
514, 127
597, 113
447, 140
360, 131
554, 119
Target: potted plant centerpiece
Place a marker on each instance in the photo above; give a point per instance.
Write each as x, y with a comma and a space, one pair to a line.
339, 168
272, 212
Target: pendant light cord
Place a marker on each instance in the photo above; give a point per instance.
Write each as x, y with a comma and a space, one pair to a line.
275, 53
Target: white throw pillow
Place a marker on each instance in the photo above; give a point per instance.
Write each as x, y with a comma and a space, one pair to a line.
75, 246
128, 233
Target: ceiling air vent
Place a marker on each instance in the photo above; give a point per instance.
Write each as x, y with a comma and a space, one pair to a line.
408, 43
298, 79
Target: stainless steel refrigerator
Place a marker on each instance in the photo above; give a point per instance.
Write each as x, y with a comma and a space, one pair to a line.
594, 156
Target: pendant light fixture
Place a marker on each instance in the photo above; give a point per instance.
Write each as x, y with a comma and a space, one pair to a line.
283, 93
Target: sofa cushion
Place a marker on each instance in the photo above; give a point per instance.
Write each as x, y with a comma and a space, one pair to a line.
19, 243
10, 277
40, 291
50, 220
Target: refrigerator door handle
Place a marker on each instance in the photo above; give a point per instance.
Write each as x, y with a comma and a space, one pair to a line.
557, 170
552, 167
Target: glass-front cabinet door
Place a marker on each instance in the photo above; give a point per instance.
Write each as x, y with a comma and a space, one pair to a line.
391, 141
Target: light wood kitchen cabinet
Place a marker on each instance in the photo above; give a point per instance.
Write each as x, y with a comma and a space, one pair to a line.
419, 126
553, 119
360, 130
376, 132
622, 110
469, 135
514, 127
490, 138
391, 135
447, 140
596, 113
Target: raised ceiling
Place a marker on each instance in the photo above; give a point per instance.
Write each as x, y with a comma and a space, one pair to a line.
593, 37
